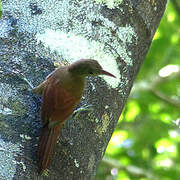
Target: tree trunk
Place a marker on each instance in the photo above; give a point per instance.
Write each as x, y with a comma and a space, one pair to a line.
37, 35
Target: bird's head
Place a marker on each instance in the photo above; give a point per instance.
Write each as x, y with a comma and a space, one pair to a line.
88, 67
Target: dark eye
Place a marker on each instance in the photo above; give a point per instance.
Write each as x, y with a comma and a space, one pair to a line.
90, 72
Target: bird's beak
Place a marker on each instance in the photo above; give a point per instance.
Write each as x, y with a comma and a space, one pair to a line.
107, 73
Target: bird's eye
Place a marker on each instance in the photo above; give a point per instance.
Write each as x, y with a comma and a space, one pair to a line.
90, 72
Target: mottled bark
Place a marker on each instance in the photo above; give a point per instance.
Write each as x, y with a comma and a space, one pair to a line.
36, 34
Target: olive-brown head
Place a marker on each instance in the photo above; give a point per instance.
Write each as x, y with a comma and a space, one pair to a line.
88, 67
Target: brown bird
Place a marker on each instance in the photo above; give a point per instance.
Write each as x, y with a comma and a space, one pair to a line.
62, 91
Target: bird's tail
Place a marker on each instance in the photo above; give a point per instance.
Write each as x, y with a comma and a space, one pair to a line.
46, 145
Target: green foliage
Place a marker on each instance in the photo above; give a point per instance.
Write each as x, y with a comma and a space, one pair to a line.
146, 142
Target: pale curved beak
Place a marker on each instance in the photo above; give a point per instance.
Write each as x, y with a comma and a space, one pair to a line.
107, 73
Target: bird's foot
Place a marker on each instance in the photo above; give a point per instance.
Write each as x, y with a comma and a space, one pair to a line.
83, 108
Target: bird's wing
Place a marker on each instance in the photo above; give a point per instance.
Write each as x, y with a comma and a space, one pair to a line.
39, 89
57, 103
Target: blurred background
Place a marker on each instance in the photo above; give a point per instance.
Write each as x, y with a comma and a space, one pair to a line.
146, 142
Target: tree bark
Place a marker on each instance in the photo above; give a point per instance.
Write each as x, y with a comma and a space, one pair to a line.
36, 35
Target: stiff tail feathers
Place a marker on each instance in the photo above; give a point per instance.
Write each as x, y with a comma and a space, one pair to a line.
46, 145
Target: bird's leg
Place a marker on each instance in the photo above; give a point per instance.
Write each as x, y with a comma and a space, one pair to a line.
83, 108
52, 124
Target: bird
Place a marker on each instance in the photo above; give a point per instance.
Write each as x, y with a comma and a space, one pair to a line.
61, 92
